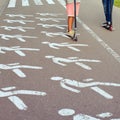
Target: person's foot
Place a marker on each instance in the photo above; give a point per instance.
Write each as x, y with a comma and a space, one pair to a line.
104, 24
71, 34
107, 26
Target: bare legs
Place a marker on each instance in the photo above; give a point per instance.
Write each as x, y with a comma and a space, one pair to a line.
70, 23
71, 19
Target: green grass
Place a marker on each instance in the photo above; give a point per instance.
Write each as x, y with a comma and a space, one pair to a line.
117, 3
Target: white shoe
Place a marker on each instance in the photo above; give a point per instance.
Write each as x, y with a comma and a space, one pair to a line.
71, 34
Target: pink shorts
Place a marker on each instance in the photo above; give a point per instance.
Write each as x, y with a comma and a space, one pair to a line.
70, 9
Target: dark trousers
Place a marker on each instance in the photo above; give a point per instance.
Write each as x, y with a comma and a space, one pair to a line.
108, 7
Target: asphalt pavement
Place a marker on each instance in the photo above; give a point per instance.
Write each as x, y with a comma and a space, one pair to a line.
44, 75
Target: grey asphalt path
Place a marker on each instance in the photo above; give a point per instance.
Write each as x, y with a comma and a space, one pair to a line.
3, 4
44, 75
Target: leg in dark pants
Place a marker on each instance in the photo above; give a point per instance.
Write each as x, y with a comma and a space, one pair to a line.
108, 7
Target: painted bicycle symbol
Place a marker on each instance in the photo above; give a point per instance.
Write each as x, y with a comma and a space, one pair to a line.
71, 112
12, 96
66, 83
16, 68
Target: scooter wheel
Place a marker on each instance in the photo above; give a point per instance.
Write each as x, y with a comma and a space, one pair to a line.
75, 39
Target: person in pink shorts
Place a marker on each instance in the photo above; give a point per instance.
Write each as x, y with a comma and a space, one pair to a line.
70, 14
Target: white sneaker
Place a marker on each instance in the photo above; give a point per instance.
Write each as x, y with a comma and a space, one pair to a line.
71, 34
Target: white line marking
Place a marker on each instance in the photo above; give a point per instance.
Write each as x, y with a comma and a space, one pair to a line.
62, 2
18, 102
25, 3
97, 38
12, 3
102, 92
38, 2
50, 1
102, 43
8, 88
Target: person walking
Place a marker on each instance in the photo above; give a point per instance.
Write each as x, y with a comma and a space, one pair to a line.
71, 16
108, 8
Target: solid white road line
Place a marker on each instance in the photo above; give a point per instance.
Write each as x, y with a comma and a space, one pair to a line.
102, 43
96, 37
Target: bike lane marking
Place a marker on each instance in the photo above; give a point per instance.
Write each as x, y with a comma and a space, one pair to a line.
71, 112
12, 96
